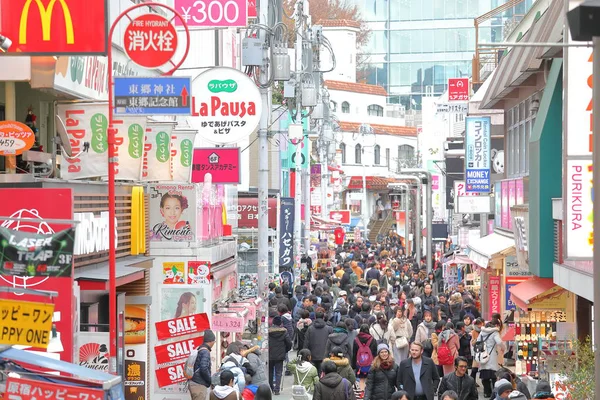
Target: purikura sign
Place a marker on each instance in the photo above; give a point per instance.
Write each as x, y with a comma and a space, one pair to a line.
227, 105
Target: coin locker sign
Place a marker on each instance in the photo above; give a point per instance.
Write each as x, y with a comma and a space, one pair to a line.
25, 323
477, 157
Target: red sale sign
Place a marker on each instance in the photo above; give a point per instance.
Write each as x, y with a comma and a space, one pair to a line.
341, 216
458, 89
189, 325
170, 375
223, 163
169, 352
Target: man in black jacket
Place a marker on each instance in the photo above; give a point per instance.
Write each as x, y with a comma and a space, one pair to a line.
279, 345
316, 340
279, 298
459, 381
201, 380
418, 375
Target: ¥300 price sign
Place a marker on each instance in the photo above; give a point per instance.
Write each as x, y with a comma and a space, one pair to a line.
215, 13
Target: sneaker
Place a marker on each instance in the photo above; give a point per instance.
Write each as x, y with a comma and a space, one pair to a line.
276, 393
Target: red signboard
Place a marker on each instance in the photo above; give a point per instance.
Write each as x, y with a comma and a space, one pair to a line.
341, 216
223, 163
176, 351
458, 89
189, 325
56, 27
168, 376
150, 40
252, 9
495, 294
27, 389
247, 212
50, 204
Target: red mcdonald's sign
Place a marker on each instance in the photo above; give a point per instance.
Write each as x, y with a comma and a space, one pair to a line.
54, 27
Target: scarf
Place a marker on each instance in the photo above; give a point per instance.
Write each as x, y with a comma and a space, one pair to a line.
387, 364
430, 326
338, 329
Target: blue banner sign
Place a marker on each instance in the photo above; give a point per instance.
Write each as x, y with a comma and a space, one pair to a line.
477, 155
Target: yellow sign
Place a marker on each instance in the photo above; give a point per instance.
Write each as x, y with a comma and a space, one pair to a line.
46, 17
25, 323
138, 221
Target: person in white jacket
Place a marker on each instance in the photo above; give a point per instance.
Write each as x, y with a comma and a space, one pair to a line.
381, 330
402, 331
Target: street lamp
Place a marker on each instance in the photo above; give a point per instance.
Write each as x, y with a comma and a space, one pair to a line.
418, 182
429, 213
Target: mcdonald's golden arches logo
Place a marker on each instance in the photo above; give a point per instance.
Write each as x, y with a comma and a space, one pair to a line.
46, 17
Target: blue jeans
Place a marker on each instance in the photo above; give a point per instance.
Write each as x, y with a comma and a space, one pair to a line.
275, 372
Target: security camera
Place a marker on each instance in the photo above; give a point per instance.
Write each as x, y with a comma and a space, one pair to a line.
5, 43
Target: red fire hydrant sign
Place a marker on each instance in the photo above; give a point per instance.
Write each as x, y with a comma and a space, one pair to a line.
150, 40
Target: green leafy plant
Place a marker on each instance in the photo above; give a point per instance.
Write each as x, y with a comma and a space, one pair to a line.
577, 367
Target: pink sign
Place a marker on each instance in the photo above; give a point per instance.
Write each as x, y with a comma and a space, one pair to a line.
494, 294
252, 9
227, 323
223, 163
214, 13
505, 210
520, 190
512, 198
435, 182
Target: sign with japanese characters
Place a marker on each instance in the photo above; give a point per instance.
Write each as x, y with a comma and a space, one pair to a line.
161, 95
495, 294
34, 254
27, 389
477, 154
458, 89
25, 323
226, 105
156, 163
341, 216
214, 13
286, 232
169, 352
452, 108
247, 212
182, 148
15, 138
223, 163
182, 326
150, 40
54, 27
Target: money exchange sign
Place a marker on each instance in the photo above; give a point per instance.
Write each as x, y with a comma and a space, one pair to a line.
477, 155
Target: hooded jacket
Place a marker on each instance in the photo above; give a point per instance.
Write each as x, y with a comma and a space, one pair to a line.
224, 393
343, 368
279, 343
494, 346
333, 387
288, 323
235, 368
304, 374
339, 337
260, 373
316, 339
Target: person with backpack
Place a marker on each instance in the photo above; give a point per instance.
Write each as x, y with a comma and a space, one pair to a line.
304, 373
316, 339
279, 345
448, 347
332, 386
257, 365
365, 350
342, 363
401, 332
201, 380
424, 331
237, 364
380, 330
485, 351
339, 338
382, 378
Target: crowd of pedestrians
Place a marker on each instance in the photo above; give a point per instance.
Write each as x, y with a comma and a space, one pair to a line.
376, 326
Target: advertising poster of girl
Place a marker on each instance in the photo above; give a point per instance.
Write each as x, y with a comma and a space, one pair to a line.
172, 213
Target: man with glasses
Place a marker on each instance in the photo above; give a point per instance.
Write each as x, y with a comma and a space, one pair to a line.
459, 382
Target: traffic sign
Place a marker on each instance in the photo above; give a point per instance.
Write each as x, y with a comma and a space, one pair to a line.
150, 40
166, 95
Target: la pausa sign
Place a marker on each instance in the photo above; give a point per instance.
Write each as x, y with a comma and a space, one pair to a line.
226, 105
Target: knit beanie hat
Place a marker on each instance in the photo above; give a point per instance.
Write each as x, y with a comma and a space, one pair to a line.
502, 386
209, 336
543, 387
516, 395
381, 347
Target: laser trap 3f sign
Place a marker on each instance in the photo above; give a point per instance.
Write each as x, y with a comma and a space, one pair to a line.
25, 323
226, 106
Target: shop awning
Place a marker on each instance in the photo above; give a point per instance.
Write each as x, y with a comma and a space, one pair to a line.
482, 250
457, 259
372, 183
529, 291
127, 269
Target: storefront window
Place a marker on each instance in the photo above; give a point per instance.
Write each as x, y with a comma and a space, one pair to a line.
519, 120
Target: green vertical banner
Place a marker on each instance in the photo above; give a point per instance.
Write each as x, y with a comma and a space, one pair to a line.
291, 148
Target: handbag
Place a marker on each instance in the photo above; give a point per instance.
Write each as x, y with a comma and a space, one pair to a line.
298, 391
401, 342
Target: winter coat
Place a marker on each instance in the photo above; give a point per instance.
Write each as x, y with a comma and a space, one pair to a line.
233, 363
304, 372
464, 387
474, 335
260, 373
343, 368
429, 377
202, 367
451, 339
279, 343
495, 346
381, 384
224, 393
340, 339
465, 345
381, 335
333, 387
363, 338
280, 299
316, 339
401, 327
455, 309
288, 323
423, 332
435, 342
